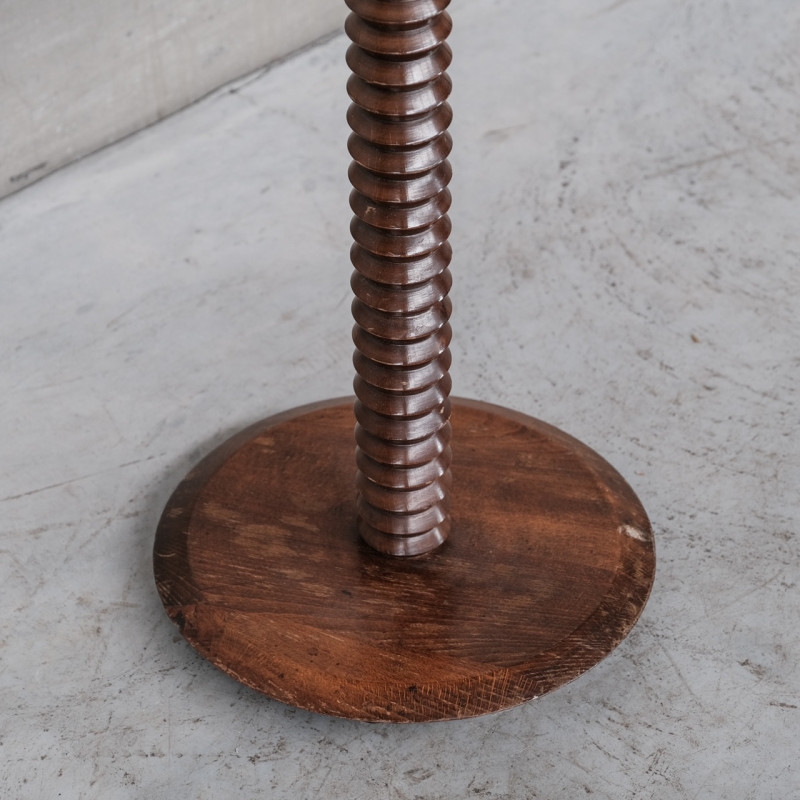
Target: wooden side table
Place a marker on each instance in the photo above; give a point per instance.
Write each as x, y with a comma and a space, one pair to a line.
481, 557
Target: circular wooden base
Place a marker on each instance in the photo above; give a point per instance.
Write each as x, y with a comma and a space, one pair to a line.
548, 567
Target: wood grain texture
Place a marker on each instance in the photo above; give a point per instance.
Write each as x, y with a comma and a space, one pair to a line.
400, 173
258, 560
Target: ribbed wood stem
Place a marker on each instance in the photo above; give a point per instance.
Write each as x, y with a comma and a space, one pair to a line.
400, 199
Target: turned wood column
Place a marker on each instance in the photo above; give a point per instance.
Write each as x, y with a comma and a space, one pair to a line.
400, 199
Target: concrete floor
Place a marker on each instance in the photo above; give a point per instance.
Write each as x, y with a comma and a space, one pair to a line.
627, 235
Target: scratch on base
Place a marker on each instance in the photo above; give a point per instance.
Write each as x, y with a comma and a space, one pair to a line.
635, 533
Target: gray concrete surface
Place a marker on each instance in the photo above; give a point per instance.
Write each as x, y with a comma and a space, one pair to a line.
627, 239
76, 75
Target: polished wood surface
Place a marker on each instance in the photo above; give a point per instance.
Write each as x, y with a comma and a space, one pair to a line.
283, 570
400, 199
258, 561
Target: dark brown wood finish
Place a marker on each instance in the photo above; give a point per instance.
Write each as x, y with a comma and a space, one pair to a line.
400, 174
258, 561
258, 556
